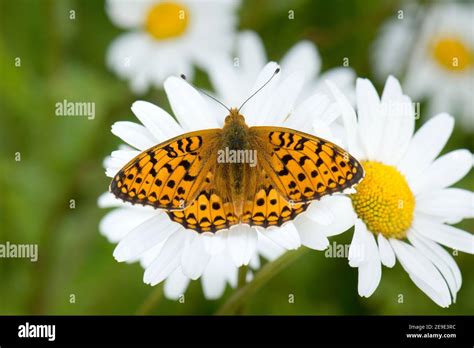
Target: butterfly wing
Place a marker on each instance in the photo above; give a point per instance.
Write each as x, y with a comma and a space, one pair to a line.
209, 212
303, 167
267, 207
168, 175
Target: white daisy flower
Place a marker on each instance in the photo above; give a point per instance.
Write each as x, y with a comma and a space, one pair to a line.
404, 205
168, 37
433, 49
394, 42
169, 251
234, 77
220, 270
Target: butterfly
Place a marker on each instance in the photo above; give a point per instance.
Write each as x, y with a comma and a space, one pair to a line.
213, 179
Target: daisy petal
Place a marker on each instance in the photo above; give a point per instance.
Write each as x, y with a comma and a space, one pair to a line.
392, 90
444, 255
255, 261
251, 51
310, 109
230, 271
161, 124
442, 267
425, 145
398, 123
148, 256
127, 14
327, 118
267, 248
387, 256
310, 235
284, 99
422, 272
134, 134
108, 200
124, 155
118, 160
286, 236
449, 236
452, 204
126, 55
357, 252
215, 243
254, 109
441, 299
322, 130
176, 284
368, 104
343, 78
444, 171
188, 105
306, 52
233, 81
370, 272
112, 168
214, 277
140, 82
168, 259
116, 224
144, 236
320, 212
342, 213
241, 243
194, 258
350, 120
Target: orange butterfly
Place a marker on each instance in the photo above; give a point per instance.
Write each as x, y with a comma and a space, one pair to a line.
212, 179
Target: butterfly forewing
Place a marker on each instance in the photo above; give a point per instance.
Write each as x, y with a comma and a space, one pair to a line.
303, 167
168, 175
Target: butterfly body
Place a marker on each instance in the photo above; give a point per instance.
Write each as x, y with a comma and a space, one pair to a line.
234, 177
214, 179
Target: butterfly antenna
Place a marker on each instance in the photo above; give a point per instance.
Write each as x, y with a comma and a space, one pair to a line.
277, 70
205, 93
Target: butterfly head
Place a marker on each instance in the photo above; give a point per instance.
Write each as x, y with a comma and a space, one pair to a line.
234, 117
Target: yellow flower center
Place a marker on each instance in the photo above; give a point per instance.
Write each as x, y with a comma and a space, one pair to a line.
452, 54
384, 200
167, 20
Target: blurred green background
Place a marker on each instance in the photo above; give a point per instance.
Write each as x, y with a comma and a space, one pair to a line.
61, 159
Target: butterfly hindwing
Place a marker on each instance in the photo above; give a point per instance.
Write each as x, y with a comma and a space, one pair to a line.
168, 175
303, 167
267, 207
209, 212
